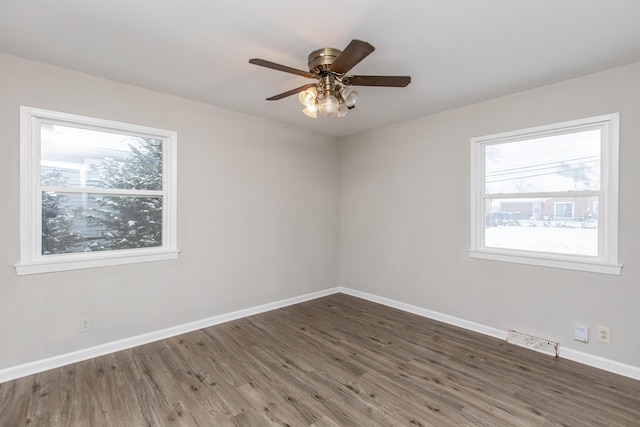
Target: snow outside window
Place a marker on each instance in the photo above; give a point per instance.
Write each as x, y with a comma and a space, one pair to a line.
548, 195
94, 192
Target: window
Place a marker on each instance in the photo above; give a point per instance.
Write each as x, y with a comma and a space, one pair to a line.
94, 192
563, 209
548, 195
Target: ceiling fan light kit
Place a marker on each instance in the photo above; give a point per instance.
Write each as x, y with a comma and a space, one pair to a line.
331, 94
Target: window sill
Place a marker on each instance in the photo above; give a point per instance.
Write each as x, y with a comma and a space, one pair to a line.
548, 261
94, 260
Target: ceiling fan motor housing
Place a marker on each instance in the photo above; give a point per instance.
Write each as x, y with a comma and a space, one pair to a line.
320, 60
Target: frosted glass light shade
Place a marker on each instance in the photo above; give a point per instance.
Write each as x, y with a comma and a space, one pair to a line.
311, 111
308, 97
350, 97
329, 106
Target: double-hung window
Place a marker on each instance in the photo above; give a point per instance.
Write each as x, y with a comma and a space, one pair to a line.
548, 195
94, 192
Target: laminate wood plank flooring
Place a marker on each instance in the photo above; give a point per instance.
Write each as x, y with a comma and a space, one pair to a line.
333, 361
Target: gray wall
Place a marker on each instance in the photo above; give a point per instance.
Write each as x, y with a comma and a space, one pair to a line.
257, 205
404, 218
262, 205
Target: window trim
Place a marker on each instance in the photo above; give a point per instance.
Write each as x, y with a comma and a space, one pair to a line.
32, 262
607, 260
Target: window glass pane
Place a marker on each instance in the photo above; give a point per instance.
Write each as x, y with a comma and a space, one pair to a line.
82, 222
569, 162
563, 225
79, 157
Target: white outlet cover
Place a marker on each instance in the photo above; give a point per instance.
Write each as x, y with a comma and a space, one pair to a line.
85, 324
604, 334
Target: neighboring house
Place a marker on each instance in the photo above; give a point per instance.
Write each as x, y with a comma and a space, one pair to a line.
554, 211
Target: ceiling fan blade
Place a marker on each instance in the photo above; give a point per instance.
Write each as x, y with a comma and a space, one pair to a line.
355, 52
388, 81
274, 66
291, 92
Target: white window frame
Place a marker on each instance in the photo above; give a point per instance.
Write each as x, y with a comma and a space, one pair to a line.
607, 260
31, 259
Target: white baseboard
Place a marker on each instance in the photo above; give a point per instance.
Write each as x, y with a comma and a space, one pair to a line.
430, 314
567, 353
111, 347
601, 363
31, 368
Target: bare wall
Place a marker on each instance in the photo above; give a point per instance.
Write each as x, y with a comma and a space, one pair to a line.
404, 219
257, 206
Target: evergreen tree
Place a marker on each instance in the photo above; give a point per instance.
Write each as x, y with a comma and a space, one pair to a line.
128, 222
58, 218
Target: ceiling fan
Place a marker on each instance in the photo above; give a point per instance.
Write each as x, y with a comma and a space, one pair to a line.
331, 94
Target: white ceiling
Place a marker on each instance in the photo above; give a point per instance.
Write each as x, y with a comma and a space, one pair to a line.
458, 52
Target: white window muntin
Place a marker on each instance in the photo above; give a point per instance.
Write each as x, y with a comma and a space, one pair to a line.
607, 259
31, 259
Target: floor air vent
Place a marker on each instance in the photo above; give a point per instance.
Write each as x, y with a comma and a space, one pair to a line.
533, 343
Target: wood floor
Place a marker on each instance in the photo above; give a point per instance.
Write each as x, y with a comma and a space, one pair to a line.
334, 361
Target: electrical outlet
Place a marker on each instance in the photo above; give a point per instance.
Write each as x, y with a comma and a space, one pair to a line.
604, 334
85, 324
